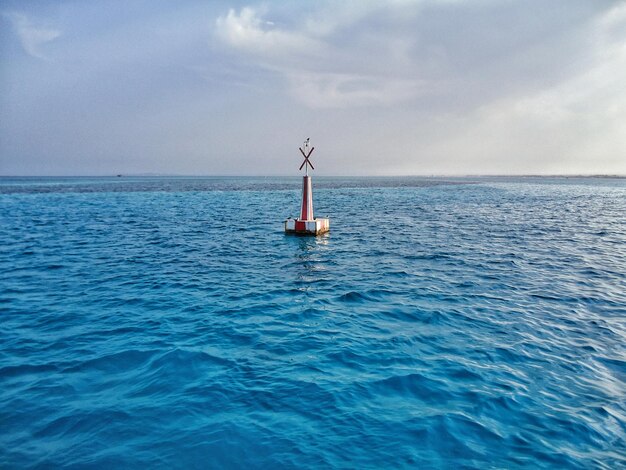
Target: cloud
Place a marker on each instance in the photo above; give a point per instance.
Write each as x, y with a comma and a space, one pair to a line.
32, 37
248, 32
337, 90
318, 74
577, 125
380, 54
394, 87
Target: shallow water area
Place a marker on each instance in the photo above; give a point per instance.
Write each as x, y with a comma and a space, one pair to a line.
169, 322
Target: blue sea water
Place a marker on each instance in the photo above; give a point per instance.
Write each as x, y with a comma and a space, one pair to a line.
442, 323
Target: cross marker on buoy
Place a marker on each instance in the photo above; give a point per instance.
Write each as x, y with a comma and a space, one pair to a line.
306, 159
307, 224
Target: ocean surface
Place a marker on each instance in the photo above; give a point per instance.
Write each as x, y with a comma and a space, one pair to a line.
442, 323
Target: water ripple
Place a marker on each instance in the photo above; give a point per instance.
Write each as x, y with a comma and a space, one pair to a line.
169, 322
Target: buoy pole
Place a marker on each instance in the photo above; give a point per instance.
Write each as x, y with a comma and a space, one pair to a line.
306, 210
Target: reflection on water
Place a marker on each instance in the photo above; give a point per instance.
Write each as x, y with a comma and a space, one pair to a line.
311, 255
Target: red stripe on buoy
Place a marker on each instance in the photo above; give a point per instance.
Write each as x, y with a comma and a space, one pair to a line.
306, 210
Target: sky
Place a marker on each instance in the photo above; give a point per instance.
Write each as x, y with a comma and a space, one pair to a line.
398, 87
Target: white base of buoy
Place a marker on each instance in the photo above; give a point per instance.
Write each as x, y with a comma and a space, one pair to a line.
316, 226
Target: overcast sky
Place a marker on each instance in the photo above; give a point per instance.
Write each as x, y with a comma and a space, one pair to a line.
383, 88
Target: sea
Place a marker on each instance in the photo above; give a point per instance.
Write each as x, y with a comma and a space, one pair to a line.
169, 322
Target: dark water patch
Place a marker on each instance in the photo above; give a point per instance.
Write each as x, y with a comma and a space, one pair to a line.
26, 369
203, 184
412, 385
353, 297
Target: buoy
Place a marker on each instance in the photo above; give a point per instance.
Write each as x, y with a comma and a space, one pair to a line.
307, 223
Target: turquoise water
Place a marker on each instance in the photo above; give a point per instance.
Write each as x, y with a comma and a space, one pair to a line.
169, 323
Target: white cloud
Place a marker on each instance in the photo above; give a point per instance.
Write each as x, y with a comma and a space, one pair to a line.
32, 37
248, 32
317, 74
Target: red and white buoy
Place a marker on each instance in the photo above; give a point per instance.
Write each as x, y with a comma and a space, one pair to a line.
307, 223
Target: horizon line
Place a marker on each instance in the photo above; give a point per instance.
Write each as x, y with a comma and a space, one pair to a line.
431, 175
